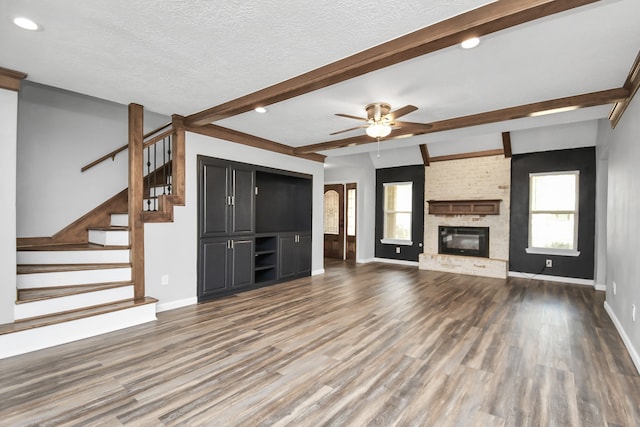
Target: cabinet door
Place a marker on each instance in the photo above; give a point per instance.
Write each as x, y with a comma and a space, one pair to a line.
214, 202
286, 256
214, 267
304, 254
242, 263
243, 184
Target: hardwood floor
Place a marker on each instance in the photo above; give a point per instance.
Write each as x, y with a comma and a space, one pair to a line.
360, 345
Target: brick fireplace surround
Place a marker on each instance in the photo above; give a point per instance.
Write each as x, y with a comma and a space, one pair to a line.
477, 178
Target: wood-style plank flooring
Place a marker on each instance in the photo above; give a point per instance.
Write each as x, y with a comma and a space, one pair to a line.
358, 346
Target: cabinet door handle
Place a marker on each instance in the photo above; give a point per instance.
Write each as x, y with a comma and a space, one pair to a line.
231, 243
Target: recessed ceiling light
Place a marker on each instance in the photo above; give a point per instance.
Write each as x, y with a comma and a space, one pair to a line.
470, 43
260, 110
26, 23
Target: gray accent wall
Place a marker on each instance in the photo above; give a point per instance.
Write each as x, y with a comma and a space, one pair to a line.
58, 133
623, 224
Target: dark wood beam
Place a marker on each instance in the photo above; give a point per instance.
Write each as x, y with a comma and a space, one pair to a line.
10, 79
478, 22
506, 144
226, 134
459, 156
631, 84
425, 154
571, 102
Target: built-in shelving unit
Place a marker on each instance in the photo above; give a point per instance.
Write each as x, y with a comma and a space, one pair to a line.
464, 207
254, 226
266, 262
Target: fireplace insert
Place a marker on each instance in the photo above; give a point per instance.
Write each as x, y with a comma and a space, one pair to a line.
467, 241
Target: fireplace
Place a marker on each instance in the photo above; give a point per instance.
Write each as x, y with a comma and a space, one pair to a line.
466, 241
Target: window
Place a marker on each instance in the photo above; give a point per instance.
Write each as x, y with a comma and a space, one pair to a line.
397, 212
351, 212
331, 212
553, 213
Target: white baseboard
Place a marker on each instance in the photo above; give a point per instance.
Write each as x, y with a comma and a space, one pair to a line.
172, 305
600, 287
560, 279
625, 338
364, 261
317, 272
395, 261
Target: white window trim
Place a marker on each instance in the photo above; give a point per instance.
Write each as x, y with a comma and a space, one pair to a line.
387, 241
552, 251
398, 242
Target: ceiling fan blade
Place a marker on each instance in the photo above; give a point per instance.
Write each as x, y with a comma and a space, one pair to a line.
413, 125
348, 130
402, 111
351, 117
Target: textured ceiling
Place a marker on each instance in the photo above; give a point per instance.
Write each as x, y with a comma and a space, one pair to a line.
181, 57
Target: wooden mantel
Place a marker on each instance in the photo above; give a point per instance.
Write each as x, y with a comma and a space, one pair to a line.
464, 207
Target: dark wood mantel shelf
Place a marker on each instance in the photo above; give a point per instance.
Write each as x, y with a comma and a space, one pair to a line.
464, 207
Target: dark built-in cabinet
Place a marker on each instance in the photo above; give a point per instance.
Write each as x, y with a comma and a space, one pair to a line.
295, 255
254, 226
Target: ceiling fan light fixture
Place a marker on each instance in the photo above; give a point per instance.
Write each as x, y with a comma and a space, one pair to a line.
378, 130
470, 43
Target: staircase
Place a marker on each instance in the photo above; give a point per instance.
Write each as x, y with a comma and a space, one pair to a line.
88, 279
67, 292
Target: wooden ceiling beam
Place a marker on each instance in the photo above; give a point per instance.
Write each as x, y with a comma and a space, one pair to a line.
11, 79
474, 154
425, 154
506, 144
631, 84
226, 134
537, 108
478, 22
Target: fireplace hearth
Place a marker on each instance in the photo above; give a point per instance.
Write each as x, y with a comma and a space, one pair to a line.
465, 241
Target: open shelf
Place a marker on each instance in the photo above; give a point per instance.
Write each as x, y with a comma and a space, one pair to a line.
266, 259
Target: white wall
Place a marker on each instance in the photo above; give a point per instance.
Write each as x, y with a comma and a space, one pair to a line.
58, 133
604, 134
623, 226
172, 248
8, 141
358, 168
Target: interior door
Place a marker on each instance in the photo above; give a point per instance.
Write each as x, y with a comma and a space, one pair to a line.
334, 221
351, 215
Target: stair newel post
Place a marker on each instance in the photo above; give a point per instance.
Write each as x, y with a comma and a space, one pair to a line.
136, 173
177, 160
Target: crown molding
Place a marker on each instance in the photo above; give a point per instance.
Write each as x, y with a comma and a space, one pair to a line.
238, 137
631, 84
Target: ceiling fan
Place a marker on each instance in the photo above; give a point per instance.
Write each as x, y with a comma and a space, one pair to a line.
380, 119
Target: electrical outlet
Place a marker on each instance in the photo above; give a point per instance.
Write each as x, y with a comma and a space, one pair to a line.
615, 288
549, 263
397, 249
633, 312
164, 279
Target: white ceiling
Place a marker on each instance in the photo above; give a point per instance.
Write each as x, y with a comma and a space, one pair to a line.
181, 57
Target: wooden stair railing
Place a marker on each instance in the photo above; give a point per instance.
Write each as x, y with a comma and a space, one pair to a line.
163, 205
